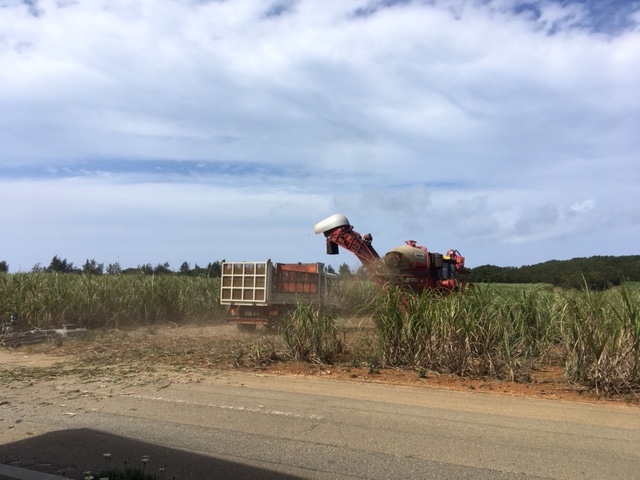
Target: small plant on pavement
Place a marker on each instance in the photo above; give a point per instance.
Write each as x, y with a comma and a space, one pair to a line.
128, 473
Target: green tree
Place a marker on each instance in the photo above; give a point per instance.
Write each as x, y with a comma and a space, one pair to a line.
185, 269
147, 269
597, 273
162, 269
215, 269
60, 265
329, 269
4, 266
344, 270
92, 267
114, 269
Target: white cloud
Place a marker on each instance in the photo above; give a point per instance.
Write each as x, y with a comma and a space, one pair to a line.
484, 121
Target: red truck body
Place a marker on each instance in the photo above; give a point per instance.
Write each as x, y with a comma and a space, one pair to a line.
258, 293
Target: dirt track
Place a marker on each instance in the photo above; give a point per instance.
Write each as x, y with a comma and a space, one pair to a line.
187, 354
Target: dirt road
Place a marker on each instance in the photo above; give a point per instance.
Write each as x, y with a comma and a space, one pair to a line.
239, 425
61, 416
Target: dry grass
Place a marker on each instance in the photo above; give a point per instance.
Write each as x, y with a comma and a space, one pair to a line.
192, 353
489, 333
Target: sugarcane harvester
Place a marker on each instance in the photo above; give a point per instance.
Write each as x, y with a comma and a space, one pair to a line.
410, 265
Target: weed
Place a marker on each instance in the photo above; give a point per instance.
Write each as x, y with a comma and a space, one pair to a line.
310, 335
128, 472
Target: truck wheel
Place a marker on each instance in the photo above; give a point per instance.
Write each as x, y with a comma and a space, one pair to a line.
246, 327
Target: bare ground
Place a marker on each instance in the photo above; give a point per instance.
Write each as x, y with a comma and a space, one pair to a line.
190, 353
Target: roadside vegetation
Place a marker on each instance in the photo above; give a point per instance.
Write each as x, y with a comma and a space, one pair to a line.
509, 332
52, 299
498, 331
502, 331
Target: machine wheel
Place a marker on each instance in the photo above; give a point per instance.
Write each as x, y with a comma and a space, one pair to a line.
246, 327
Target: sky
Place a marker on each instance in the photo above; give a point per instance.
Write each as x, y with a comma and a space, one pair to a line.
194, 131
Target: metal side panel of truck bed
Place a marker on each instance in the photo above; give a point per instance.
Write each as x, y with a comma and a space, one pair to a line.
260, 292
246, 283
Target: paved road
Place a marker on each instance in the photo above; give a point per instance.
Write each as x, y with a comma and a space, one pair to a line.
255, 426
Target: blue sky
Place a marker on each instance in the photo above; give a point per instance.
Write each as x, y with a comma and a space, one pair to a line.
184, 130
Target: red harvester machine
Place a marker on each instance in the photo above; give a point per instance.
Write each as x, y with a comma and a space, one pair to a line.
409, 265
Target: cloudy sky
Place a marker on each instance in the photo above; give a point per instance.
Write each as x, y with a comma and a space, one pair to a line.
184, 130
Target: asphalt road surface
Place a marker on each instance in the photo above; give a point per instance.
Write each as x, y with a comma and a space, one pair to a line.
238, 425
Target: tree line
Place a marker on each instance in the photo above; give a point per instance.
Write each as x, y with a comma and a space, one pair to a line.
596, 273
92, 267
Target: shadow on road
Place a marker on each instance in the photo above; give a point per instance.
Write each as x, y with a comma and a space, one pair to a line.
72, 452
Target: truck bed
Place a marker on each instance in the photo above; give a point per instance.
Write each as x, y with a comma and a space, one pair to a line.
266, 283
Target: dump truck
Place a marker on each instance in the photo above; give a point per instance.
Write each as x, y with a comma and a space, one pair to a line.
260, 293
